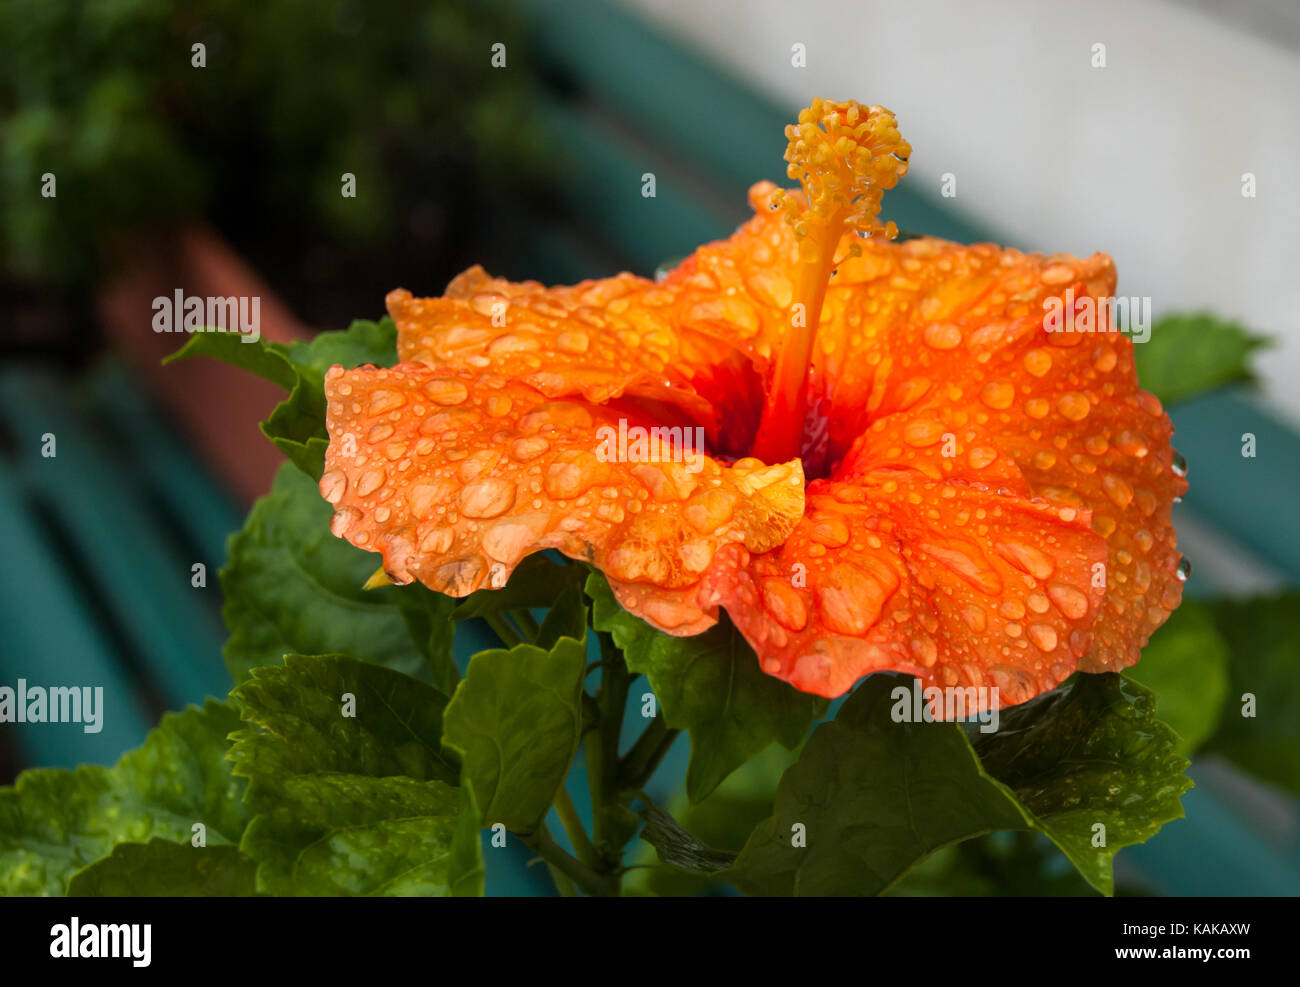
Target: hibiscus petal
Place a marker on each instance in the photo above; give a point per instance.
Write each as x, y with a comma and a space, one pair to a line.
454, 476
601, 340
922, 556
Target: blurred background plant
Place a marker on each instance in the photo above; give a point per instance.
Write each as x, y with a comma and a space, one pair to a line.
292, 95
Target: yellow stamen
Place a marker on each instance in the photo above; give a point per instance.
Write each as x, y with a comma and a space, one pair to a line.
378, 578
845, 156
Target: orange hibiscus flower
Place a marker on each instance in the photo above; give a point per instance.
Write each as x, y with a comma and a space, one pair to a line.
903, 466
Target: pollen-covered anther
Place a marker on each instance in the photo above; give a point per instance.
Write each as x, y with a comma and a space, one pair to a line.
846, 156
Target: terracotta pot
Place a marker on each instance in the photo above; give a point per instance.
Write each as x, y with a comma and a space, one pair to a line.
217, 406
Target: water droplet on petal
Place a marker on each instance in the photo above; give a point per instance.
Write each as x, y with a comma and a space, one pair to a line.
343, 520
371, 480
487, 498
923, 432
1012, 609
1026, 558
383, 400
437, 541
567, 480
1117, 489
1070, 601
851, 598
998, 394
1073, 406
1038, 362
1184, 568
784, 604
942, 335
1180, 464
574, 341
446, 391
710, 510
333, 485
528, 448
1043, 636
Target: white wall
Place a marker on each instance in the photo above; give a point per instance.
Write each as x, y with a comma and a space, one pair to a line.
1142, 159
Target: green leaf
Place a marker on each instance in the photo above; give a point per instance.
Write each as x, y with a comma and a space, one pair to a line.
1090, 752
163, 869
1261, 635
350, 805
301, 710
875, 797
465, 869
297, 424
723, 821
680, 849
429, 624
535, 583
1194, 352
266, 359
710, 684
1186, 665
55, 822
516, 719
567, 617
354, 835
291, 586
363, 342
1009, 864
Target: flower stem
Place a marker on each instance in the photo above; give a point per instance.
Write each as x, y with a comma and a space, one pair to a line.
640, 762
563, 885
503, 630
568, 814
527, 624
602, 748
595, 884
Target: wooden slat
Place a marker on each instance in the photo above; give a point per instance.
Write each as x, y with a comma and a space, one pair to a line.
193, 495
48, 638
122, 550
1248, 500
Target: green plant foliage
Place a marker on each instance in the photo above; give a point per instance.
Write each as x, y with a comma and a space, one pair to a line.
516, 720
1194, 352
712, 686
297, 424
55, 822
1090, 753
161, 868
291, 586
107, 97
353, 791
1260, 726
1185, 664
870, 797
